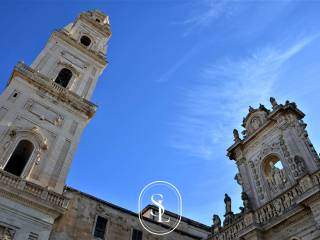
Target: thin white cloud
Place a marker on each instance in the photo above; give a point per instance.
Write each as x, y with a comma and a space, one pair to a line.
206, 12
174, 68
217, 103
212, 10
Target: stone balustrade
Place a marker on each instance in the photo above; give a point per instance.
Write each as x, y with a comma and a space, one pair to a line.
270, 211
21, 185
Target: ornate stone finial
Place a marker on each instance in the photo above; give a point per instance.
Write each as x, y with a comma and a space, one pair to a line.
251, 109
236, 135
273, 102
246, 201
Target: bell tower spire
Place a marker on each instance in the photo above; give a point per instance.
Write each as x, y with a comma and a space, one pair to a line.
45, 107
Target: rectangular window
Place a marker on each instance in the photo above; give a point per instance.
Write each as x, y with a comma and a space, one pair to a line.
100, 227
136, 234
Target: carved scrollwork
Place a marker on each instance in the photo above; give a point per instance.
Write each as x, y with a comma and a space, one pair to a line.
256, 179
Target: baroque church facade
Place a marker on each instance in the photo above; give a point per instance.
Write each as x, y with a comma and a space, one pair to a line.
43, 111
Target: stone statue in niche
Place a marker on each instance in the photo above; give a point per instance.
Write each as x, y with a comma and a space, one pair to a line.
277, 176
300, 167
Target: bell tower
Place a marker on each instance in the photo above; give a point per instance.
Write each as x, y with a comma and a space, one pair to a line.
43, 111
46, 106
275, 152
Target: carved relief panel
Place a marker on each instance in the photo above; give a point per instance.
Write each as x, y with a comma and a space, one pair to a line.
44, 113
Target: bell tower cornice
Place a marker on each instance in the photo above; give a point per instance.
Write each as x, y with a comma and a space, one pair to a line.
46, 84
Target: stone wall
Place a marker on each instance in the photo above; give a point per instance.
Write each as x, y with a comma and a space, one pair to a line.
78, 222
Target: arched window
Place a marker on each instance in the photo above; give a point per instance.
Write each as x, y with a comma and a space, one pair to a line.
275, 172
19, 157
64, 77
86, 41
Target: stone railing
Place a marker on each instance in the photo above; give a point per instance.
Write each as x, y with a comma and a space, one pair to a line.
278, 206
66, 95
29, 188
270, 211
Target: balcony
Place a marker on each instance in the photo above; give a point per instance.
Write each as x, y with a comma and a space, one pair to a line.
28, 192
277, 210
43, 82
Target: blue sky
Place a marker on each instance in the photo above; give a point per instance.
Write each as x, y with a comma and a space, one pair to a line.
181, 76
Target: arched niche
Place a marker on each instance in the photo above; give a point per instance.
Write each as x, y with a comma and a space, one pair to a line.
19, 157
274, 172
32, 139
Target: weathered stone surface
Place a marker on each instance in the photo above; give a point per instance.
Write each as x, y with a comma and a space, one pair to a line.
78, 222
279, 174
